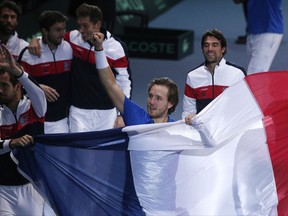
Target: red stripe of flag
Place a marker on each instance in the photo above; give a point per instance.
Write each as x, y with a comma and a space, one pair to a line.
271, 92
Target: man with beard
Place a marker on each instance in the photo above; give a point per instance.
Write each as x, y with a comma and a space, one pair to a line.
162, 93
21, 118
9, 16
52, 70
91, 108
211, 78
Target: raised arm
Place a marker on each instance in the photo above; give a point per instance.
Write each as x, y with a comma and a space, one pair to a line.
106, 75
32, 88
8, 63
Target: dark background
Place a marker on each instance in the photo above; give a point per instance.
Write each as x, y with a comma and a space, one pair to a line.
195, 15
28, 25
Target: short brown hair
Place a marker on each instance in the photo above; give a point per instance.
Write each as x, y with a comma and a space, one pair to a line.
49, 18
218, 35
173, 94
92, 11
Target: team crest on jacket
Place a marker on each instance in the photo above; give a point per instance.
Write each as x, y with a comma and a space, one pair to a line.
45, 68
24, 119
67, 65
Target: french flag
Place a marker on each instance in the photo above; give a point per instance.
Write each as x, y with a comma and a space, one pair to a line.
233, 160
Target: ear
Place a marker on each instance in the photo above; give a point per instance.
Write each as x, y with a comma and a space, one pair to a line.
44, 31
98, 24
18, 87
223, 49
170, 105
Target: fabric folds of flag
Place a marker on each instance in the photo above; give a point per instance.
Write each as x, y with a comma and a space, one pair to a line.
82, 173
233, 161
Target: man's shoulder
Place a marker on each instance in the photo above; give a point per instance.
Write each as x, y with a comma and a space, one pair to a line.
113, 48
65, 45
23, 42
196, 69
70, 35
236, 67
112, 41
16, 44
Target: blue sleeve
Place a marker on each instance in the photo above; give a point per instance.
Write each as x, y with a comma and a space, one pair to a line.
134, 114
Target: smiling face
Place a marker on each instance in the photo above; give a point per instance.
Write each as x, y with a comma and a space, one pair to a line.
87, 28
157, 103
212, 50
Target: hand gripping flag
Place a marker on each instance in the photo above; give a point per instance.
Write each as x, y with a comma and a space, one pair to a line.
232, 161
82, 173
